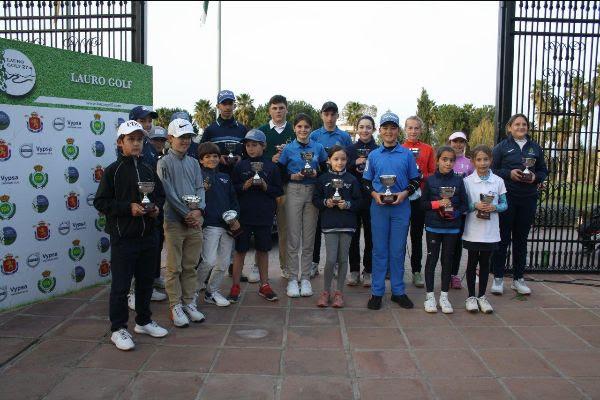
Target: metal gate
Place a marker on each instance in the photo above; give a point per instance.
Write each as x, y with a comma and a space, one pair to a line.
549, 70
114, 29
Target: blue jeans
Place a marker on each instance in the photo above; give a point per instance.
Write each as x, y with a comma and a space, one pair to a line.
389, 226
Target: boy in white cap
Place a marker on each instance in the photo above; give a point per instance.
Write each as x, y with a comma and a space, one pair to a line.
181, 176
131, 227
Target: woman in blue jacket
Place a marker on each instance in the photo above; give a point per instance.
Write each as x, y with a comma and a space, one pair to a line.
521, 183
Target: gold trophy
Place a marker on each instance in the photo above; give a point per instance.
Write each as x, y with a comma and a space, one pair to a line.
191, 200
447, 192
308, 170
388, 180
256, 166
146, 188
528, 162
337, 184
487, 199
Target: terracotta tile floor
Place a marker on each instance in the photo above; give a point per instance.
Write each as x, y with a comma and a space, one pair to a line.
546, 346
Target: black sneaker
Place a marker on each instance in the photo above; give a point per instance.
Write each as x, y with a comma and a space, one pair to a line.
374, 302
243, 278
402, 300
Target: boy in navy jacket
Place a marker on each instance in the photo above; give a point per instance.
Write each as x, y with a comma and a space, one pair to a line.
257, 182
217, 242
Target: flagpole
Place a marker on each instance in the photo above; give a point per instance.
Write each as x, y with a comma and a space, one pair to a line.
218, 53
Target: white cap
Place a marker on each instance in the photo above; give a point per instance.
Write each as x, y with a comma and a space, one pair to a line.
128, 127
157, 132
457, 135
179, 127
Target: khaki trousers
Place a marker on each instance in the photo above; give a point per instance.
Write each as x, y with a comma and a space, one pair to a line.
184, 246
301, 221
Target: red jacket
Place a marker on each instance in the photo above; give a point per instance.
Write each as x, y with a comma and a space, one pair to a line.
425, 160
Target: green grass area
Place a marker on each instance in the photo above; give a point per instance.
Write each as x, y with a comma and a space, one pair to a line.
579, 195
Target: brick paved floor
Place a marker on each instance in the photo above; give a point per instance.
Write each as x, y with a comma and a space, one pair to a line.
544, 347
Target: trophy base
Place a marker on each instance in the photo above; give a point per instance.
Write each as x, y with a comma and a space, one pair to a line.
307, 172
337, 201
235, 233
527, 177
257, 182
483, 215
388, 198
148, 207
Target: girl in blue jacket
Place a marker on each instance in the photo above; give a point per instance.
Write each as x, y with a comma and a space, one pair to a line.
444, 200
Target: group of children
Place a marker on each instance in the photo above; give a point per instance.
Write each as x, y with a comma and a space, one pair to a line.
214, 204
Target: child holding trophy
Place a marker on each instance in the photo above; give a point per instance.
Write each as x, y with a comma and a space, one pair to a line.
444, 200
130, 195
299, 162
338, 197
487, 197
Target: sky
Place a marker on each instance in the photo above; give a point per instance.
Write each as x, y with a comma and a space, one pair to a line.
379, 53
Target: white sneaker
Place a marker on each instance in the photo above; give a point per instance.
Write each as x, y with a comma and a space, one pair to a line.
131, 301
366, 279
254, 275
159, 282
497, 286
292, 289
216, 298
485, 305
471, 304
178, 317
305, 288
354, 279
122, 339
152, 329
445, 303
158, 296
430, 303
520, 286
193, 314
314, 270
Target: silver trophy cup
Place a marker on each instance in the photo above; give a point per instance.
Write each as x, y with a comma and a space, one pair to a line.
337, 184
230, 147
447, 192
191, 200
146, 188
487, 199
256, 166
527, 163
230, 217
308, 170
388, 180
362, 153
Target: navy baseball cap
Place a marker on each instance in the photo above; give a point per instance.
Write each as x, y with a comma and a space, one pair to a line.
389, 118
140, 112
182, 115
255, 135
225, 95
329, 106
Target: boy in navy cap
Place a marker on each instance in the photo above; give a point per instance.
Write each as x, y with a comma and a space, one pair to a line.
390, 221
258, 184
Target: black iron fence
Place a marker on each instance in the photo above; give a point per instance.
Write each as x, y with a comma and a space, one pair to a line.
114, 29
549, 70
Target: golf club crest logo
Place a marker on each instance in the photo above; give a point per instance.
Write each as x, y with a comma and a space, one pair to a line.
72, 201
104, 268
17, 73
47, 283
76, 252
100, 222
71, 174
69, 150
7, 209
34, 122
8, 235
103, 244
38, 179
98, 148
4, 120
97, 173
42, 231
9, 265
4, 151
40, 203
97, 125
78, 274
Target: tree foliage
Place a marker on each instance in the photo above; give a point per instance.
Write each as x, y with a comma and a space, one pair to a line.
204, 113
353, 110
426, 111
245, 110
482, 134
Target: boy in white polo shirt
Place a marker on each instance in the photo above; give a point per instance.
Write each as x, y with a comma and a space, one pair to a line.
487, 198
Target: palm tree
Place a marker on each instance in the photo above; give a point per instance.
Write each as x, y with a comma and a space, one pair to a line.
245, 110
352, 111
204, 113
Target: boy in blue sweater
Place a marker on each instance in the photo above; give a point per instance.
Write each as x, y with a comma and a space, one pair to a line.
218, 243
257, 182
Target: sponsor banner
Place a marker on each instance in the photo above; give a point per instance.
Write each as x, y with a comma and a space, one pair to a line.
58, 124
